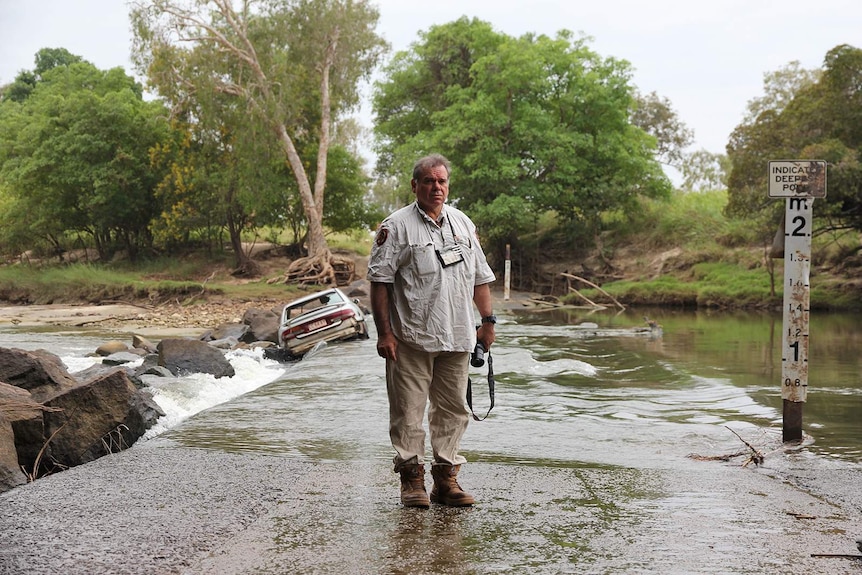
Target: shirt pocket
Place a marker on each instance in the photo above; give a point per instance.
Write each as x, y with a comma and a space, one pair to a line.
424, 260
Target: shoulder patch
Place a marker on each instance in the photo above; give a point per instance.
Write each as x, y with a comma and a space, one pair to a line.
382, 235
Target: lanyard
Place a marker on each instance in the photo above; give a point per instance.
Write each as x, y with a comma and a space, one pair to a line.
491, 383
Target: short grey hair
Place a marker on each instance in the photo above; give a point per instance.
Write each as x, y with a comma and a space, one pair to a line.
424, 164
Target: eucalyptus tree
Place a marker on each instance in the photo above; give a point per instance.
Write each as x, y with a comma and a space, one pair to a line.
74, 157
530, 124
655, 115
293, 66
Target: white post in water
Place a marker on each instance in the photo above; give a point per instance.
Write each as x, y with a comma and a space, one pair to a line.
799, 181
507, 281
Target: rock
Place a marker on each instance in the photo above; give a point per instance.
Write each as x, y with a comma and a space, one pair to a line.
225, 331
140, 342
40, 372
111, 347
185, 356
122, 357
25, 419
11, 474
102, 416
226, 343
262, 325
95, 371
156, 370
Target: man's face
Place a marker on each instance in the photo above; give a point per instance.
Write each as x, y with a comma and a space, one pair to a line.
432, 190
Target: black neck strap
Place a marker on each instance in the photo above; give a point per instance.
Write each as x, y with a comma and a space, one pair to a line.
490, 390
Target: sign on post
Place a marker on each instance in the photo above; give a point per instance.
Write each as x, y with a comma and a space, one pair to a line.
799, 181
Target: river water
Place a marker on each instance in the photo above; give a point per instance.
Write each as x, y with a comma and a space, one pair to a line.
582, 467
572, 388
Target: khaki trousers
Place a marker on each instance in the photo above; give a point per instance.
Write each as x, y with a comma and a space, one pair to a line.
417, 378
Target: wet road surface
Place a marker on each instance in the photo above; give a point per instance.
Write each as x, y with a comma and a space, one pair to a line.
162, 508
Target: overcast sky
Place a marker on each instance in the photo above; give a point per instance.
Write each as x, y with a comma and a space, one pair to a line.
707, 57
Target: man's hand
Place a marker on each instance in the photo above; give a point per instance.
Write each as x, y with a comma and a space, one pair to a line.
486, 335
387, 347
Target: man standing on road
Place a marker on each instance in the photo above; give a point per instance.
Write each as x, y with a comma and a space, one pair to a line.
427, 270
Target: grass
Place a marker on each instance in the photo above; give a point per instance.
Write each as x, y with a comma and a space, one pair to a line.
720, 264
88, 282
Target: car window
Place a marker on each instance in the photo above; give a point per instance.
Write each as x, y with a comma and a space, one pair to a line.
327, 299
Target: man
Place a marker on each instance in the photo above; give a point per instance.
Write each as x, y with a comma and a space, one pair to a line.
426, 271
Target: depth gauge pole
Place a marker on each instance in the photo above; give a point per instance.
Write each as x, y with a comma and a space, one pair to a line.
799, 181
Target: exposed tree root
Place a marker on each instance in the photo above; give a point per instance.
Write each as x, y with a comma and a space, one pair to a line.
329, 269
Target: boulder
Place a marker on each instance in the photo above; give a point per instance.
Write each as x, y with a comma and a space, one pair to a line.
40, 372
140, 342
262, 325
226, 331
24, 417
11, 474
123, 357
226, 343
186, 356
111, 347
105, 415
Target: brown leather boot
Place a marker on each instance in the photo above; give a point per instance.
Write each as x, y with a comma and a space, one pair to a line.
446, 489
413, 486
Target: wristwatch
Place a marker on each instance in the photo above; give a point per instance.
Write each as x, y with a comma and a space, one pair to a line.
489, 319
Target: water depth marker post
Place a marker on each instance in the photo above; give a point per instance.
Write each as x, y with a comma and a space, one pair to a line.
799, 182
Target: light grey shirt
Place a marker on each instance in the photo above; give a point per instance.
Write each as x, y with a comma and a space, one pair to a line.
431, 306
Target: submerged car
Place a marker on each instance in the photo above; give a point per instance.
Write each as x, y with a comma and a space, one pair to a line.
328, 315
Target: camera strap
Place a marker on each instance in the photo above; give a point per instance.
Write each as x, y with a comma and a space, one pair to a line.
491, 383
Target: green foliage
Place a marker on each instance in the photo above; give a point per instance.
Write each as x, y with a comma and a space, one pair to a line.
263, 83
74, 158
805, 115
544, 121
655, 116
692, 219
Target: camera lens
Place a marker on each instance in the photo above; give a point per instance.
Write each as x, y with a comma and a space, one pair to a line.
477, 358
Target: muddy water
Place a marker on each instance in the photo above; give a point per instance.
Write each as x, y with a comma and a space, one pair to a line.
572, 388
581, 467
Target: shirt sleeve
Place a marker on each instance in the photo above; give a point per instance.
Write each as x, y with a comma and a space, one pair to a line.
383, 262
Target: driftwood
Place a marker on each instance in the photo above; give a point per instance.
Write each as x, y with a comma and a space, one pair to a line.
542, 305
754, 456
592, 285
585, 298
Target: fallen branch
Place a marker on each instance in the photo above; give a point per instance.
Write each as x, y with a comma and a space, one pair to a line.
591, 284
697, 457
585, 298
756, 456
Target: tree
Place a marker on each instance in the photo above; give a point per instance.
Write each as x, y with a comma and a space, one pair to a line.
26, 80
544, 120
655, 116
702, 171
74, 155
292, 65
811, 115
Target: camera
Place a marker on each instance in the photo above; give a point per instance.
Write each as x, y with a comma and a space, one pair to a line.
477, 358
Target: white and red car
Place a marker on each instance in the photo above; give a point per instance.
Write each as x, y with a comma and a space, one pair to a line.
328, 315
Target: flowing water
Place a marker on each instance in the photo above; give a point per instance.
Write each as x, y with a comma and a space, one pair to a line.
585, 465
571, 387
